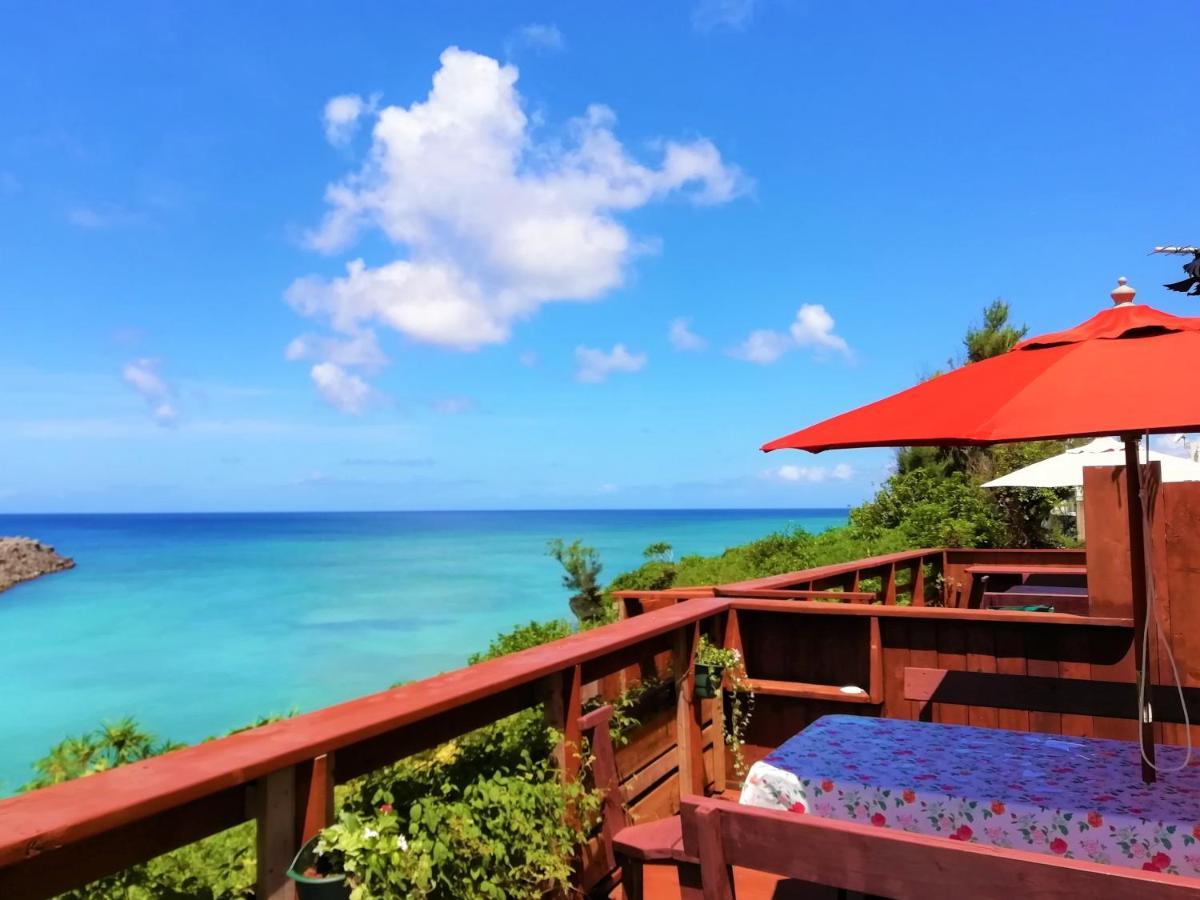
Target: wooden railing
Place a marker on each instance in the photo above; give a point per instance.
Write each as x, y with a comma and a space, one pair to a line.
928, 577
798, 652
907, 578
282, 774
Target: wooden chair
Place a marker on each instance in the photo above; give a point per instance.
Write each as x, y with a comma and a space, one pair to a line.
633, 846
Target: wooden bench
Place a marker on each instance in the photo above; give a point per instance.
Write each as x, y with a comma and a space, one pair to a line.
1064, 598
996, 578
886, 862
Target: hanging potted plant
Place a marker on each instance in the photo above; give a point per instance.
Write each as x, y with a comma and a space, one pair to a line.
720, 665
711, 663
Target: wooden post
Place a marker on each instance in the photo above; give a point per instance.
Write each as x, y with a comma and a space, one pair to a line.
688, 734
1137, 572
314, 797
275, 811
889, 586
562, 700
605, 777
918, 582
875, 662
715, 873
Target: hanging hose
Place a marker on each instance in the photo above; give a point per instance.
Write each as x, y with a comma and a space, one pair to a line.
1143, 675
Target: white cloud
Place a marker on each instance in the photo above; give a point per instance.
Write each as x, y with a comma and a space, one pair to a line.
539, 36
596, 365
489, 222
358, 350
340, 388
811, 474
342, 115
709, 15
682, 337
762, 346
813, 328
143, 376
454, 406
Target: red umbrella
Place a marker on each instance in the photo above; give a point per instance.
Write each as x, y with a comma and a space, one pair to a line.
1127, 370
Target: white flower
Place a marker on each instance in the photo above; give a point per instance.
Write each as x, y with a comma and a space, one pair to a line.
401, 842
370, 833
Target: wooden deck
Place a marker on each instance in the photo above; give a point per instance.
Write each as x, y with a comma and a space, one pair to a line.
904, 634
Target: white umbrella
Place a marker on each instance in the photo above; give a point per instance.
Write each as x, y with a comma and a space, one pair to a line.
1066, 469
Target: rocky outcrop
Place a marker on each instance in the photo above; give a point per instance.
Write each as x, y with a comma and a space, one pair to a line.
23, 559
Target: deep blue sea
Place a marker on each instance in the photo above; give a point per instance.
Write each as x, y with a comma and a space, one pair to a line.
198, 623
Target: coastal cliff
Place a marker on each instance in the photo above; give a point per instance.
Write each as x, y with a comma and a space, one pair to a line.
23, 559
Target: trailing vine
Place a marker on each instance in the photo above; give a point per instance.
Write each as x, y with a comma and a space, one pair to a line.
741, 693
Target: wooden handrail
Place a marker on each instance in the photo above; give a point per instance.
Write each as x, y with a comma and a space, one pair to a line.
62, 836
822, 572
995, 616
45, 821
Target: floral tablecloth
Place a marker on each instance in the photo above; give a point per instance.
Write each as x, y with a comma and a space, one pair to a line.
1081, 798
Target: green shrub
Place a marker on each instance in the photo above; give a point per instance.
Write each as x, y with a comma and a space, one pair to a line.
509, 834
523, 637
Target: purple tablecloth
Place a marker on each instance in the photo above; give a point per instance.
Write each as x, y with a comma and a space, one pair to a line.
1080, 798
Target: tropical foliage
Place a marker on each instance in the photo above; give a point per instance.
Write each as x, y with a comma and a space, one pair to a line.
581, 568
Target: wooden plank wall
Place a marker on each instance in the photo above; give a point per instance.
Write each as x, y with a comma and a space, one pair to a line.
1174, 537
979, 650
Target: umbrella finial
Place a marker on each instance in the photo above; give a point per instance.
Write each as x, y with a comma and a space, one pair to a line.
1122, 293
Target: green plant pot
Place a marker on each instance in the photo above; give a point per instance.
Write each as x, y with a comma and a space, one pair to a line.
708, 680
322, 887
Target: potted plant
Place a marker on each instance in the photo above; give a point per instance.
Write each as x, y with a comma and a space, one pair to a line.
319, 873
711, 663
715, 666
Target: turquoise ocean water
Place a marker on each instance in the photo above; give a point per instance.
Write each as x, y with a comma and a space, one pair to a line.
196, 624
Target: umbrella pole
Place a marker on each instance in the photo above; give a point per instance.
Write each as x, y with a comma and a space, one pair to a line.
1137, 576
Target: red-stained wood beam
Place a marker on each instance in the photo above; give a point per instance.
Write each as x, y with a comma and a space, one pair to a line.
918, 583
855, 596
46, 873
790, 579
275, 844
716, 875
891, 863
47, 820
875, 662
688, 726
562, 702
314, 797
933, 613
1042, 694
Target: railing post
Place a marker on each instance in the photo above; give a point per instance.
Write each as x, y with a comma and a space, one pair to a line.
314, 797
918, 582
689, 738
562, 704
889, 586
275, 811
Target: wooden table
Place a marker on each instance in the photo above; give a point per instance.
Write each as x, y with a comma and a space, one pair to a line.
1063, 796
998, 578
1072, 599
1023, 572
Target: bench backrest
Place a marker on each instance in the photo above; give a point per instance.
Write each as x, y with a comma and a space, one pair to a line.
890, 863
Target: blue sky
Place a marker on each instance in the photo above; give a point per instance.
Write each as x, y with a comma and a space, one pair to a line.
249, 261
